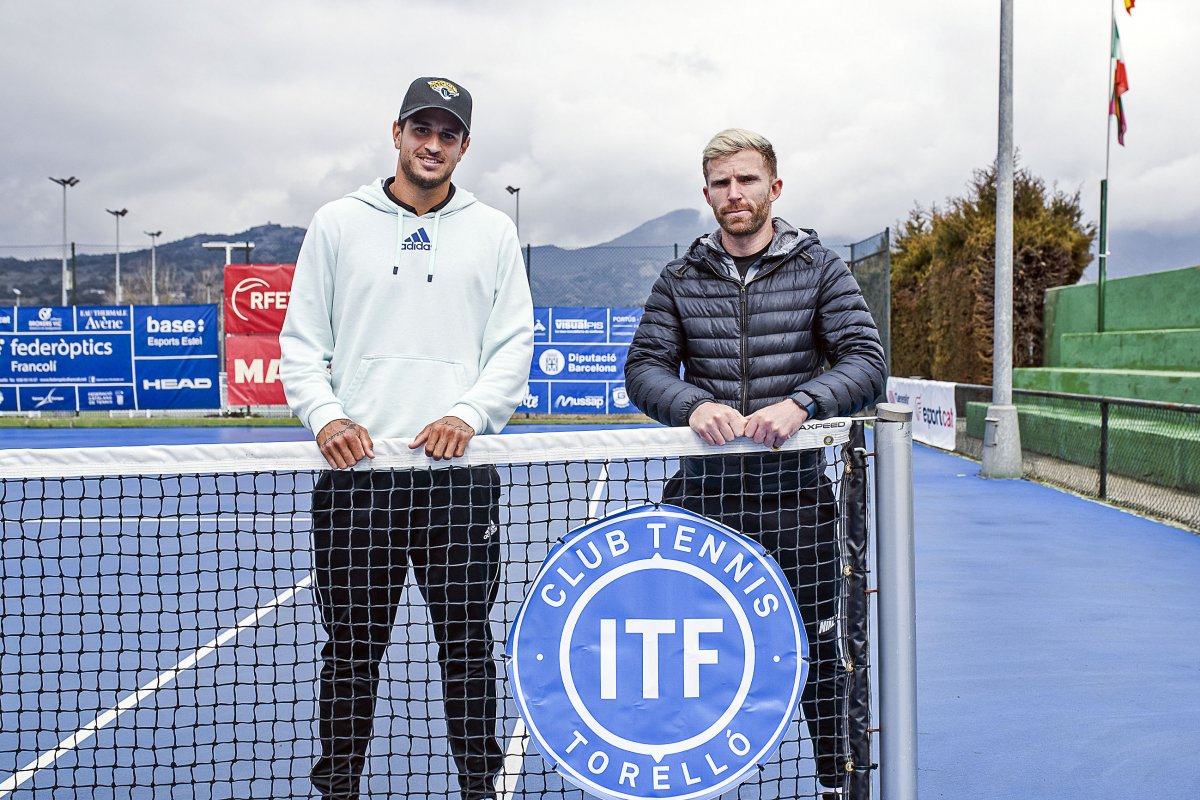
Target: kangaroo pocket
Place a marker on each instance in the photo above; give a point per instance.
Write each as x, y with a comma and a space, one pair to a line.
393, 393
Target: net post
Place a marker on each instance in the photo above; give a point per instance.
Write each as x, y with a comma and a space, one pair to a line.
897, 602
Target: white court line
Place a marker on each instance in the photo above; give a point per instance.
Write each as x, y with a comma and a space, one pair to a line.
133, 699
601, 485
514, 758
514, 754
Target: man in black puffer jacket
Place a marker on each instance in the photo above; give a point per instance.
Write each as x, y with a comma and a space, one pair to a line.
753, 312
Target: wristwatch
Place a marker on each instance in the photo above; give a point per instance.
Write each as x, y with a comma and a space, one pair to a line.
805, 401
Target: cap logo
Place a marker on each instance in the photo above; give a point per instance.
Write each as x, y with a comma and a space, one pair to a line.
445, 88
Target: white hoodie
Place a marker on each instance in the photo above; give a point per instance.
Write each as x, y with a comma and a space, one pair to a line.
396, 320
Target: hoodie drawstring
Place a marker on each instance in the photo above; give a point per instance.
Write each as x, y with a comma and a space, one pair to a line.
399, 241
437, 219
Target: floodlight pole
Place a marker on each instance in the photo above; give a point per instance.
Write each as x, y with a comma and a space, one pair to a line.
153, 265
515, 191
1002, 435
229, 247
65, 183
117, 216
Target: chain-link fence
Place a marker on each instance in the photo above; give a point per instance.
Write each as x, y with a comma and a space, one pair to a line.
605, 275
1139, 454
609, 276
871, 263
31, 276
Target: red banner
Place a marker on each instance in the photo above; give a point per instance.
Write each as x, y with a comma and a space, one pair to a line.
252, 371
256, 297
256, 300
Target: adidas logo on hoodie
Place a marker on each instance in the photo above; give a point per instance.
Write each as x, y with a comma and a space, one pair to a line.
419, 240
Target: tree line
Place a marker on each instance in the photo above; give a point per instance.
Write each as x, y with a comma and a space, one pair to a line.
943, 269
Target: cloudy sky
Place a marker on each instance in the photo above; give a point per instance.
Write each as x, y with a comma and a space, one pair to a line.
216, 116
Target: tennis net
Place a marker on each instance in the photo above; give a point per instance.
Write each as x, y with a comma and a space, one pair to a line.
166, 610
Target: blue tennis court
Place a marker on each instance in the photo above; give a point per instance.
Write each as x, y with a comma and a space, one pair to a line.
1058, 643
1059, 648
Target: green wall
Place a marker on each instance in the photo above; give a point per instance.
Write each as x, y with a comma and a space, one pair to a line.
1137, 303
1150, 349
1068, 309
1173, 349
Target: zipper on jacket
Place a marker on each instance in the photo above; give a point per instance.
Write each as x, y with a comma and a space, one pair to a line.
742, 303
745, 345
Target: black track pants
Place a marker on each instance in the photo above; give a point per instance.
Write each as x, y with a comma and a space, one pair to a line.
799, 529
369, 528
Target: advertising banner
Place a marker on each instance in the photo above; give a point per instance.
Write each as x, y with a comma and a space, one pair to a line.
256, 301
579, 360
89, 358
256, 297
932, 403
252, 375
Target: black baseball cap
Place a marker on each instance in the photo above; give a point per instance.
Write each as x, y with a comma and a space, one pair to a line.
438, 93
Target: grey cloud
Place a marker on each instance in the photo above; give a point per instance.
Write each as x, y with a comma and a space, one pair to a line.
222, 115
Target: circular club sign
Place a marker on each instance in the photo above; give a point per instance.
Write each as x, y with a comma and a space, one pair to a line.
658, 654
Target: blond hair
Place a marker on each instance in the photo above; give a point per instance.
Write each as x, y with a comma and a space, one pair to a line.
734, 140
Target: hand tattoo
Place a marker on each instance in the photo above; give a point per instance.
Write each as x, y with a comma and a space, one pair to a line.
459, 428
348, 428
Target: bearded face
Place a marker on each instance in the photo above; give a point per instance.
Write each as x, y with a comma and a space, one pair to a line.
740, 191
431, 143
745, 217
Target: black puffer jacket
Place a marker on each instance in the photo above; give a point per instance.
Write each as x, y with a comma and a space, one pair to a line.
749, 346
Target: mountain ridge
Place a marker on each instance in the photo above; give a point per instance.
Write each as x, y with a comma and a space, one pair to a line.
617, 272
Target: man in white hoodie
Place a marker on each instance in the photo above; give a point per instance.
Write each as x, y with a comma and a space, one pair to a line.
410, 316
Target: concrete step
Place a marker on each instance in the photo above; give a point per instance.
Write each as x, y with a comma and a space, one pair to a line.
1170, 349
1172, 386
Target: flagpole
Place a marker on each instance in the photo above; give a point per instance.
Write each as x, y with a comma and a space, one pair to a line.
1111, 89
1110, 85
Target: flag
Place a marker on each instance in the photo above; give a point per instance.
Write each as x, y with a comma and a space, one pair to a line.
1120, 83
1120, 78
1129, 6
1117, 109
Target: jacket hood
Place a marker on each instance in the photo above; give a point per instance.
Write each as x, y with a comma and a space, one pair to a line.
787, 239
373, 195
